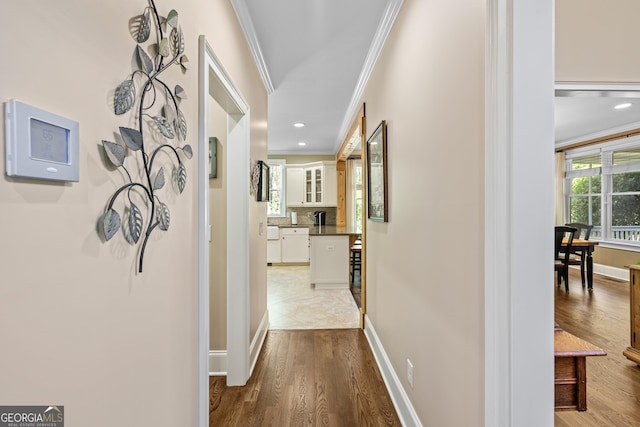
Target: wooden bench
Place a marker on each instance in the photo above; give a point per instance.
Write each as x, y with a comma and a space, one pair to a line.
571, 370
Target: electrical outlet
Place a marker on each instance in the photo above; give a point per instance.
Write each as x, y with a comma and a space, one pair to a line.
410, 373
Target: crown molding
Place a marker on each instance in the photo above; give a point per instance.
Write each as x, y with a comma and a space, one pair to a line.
244, 18
382, 33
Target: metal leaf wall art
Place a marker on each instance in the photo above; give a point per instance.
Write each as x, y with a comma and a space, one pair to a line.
161, 128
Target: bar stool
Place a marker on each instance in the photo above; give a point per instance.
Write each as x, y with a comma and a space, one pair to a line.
356, 259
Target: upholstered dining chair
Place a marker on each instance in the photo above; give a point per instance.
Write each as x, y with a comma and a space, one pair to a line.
563, 254
579, 255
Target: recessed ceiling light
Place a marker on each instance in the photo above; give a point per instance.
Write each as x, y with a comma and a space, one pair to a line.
621, 106
298, 125
302, 144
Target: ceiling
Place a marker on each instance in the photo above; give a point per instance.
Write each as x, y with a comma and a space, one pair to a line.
311, 54
313, 57
585, 114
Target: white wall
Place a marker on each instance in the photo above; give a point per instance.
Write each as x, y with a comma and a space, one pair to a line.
78, 326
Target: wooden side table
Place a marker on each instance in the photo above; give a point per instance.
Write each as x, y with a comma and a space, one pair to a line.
633, 351
571, 370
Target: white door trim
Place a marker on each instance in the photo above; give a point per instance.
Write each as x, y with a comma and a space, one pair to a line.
518, 205
238, 218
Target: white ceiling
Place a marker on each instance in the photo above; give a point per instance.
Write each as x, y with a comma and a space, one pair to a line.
312, 55
314, 52
587, 114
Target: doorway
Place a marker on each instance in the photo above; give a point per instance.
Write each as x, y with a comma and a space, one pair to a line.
216, 86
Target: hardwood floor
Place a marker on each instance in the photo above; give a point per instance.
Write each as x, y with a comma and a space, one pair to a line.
613, 381
307, 377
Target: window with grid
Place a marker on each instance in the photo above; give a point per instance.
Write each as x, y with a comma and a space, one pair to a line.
603, 189
277, 203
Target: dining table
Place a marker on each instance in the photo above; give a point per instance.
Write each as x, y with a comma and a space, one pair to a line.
588, 246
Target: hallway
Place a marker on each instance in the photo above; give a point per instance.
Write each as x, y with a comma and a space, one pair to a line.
307, 377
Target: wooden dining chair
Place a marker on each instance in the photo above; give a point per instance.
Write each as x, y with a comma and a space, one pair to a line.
579, 255
563, 253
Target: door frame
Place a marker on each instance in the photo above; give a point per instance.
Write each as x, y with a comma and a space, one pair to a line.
213, 77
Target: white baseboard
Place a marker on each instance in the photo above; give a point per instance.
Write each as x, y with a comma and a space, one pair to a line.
218, 358
614, 272
401, 402
218, 362
258, 340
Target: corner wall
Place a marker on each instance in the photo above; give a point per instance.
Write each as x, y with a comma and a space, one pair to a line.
79, 327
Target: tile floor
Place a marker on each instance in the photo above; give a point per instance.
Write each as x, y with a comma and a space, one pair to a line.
294, 304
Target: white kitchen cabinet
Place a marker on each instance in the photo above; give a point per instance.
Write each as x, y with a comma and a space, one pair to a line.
295, 186
330, 188
295, 244
329, 261
312, 184
274, 253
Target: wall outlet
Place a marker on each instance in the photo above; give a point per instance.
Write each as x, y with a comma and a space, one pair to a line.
410, 373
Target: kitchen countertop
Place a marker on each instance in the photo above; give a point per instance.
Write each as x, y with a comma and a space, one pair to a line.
324, 230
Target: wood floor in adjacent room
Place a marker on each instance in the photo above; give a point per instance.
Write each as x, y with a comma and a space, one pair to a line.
613, 382
307, 377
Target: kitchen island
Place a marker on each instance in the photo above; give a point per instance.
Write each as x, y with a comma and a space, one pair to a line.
329, 256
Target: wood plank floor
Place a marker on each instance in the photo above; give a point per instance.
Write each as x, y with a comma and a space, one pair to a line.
307, 378
613, 382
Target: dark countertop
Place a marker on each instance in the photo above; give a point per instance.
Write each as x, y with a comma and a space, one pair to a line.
332, 230
325, 230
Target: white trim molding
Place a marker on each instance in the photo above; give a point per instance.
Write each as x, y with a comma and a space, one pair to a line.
218, 358
238, 124
518, 353
404, 408
382, 33
244, 18
218, 362
258, 341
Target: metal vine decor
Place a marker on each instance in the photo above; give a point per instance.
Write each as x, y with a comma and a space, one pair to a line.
158, 116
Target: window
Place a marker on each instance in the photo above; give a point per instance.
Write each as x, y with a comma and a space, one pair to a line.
603, 189
277, 203
354, 207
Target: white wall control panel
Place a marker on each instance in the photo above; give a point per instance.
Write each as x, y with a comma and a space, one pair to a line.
40, 144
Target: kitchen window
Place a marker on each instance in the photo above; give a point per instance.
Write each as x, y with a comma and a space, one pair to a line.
277, 203
603, 189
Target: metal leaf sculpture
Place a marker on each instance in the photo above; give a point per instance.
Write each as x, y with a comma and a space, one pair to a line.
158, 183
143, 27
181, 177
181, 126
145, 61
177, 41
125, 97
164, 218
110, 223
156, 107
164, 127
115, 152
135, 223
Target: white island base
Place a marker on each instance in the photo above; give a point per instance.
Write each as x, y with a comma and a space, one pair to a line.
329, 261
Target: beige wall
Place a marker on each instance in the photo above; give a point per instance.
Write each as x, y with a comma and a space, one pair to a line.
596, 41
78, 326
425, 288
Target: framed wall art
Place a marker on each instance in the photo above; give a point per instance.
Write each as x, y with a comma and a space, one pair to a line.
213, 157
263, 190
377, 174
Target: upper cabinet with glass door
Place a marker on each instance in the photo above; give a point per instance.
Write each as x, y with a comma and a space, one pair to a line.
312, 184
